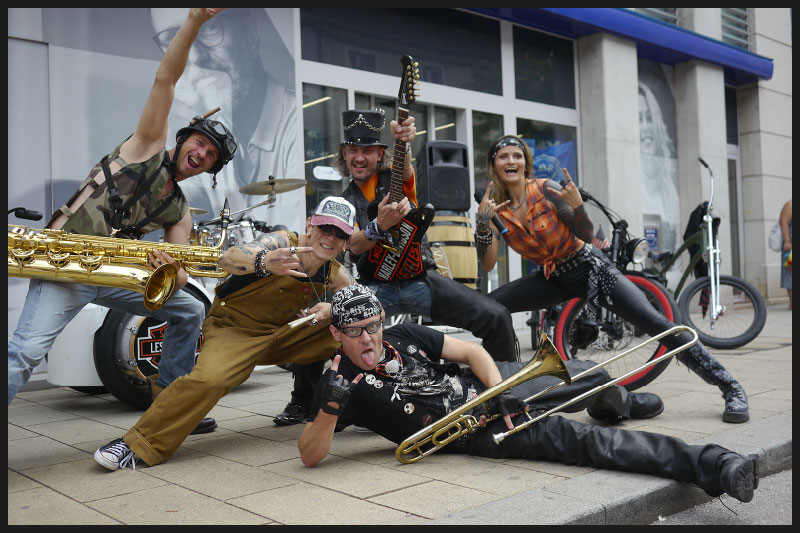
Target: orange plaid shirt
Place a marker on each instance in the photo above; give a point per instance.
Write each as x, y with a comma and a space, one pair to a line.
544, 239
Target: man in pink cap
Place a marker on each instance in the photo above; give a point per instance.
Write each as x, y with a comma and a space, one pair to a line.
275, 279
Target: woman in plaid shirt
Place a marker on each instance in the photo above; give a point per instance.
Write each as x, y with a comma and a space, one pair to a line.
548, 224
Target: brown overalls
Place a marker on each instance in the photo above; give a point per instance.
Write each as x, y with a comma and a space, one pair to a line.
246, 328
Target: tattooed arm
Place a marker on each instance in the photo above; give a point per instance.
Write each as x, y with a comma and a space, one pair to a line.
343, 279
240, 260
569, 207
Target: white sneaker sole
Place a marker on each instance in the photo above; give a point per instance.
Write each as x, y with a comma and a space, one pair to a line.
100, 458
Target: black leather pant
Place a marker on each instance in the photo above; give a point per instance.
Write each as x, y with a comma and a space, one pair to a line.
456, 305
555, 438
536, 292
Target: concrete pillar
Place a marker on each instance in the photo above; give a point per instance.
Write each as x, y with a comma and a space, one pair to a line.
609, 107
700, 119
765, 138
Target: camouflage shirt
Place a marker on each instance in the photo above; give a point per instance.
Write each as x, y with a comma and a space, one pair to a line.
95, 215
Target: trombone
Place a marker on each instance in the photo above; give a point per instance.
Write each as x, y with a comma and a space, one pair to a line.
546, 361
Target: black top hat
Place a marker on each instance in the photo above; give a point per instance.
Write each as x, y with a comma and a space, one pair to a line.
363, 128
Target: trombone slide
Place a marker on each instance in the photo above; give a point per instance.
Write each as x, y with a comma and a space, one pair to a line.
499, 437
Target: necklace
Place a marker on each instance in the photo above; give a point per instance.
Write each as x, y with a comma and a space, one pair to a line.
324, 284
515, 207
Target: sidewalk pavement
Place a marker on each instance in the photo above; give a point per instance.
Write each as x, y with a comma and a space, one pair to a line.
248, 471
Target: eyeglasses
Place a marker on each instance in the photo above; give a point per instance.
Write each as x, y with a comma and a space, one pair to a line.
210, 36
355, 331
330, 228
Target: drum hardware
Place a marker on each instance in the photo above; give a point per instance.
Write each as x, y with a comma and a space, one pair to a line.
216, 221
272, 186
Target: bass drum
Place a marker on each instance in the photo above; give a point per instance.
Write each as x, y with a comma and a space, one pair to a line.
134, 353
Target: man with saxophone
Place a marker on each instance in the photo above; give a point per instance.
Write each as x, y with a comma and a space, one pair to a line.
389, 381
132, 191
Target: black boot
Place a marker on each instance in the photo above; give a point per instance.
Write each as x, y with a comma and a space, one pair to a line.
738, 475
702, 363
641, 405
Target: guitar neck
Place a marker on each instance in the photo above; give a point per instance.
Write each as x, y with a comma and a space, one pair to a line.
398, 162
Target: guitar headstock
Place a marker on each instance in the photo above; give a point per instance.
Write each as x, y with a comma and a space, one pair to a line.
409, 85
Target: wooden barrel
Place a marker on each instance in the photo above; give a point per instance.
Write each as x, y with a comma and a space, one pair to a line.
453, 245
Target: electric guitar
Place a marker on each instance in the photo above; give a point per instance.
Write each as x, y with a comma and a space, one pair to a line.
402, 259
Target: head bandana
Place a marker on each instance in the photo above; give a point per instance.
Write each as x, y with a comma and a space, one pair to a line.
508, 141
352, 304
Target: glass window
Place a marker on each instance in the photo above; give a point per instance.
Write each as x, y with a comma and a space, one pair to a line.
554, 147
444, 123
487, 128
418, 111
452, 47
322, 135
544, 68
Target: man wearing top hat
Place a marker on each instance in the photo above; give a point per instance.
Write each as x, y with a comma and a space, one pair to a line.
363, 157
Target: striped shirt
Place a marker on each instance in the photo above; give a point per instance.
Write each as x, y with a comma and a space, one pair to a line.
543, 239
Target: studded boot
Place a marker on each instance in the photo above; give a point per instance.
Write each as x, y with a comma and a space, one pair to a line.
705, 365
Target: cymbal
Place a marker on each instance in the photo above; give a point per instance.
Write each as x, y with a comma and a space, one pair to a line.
272, 185
197, 211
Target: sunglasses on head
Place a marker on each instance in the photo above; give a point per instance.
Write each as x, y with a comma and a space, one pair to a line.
330, 228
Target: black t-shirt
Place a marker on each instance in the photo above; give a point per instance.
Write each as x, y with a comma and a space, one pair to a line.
407, 390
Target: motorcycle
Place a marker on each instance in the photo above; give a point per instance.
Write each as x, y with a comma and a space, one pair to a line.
594, 333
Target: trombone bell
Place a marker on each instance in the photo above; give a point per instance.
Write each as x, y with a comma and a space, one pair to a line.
545, 362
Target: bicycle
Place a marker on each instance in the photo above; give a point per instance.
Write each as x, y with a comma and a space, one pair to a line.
594, 333
726, 311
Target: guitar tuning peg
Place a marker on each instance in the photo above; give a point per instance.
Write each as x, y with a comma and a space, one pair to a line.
416, 77
416, 63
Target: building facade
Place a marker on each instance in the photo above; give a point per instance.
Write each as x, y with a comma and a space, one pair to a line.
626, 99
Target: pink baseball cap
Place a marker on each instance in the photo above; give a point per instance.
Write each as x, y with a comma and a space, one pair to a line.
336, 211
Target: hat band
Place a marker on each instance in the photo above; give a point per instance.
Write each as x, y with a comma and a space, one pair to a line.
361, 120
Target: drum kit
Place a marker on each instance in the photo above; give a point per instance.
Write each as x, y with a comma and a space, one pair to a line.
243, 229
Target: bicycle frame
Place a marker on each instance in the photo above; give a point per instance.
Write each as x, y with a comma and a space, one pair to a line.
707, 242
700, 240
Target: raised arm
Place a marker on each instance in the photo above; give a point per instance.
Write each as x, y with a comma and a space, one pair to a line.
150, 135
487, 236
569, 207
315, 441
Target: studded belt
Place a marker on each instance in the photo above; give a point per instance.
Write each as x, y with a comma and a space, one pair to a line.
576, 259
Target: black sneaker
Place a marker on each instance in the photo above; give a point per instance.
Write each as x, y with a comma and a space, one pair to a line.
294, 413
738, 476
115, 455
206, 425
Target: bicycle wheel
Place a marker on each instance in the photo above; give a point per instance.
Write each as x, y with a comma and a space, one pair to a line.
579, 336
741, 320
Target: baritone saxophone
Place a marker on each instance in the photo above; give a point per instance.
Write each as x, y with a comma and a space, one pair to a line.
56, 255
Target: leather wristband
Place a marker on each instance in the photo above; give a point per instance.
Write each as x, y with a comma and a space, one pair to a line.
373, 232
